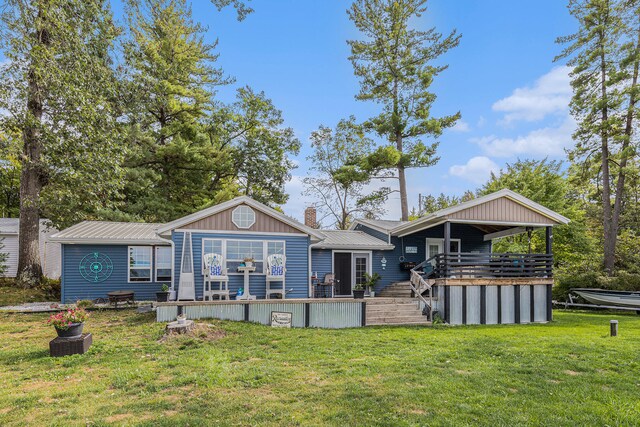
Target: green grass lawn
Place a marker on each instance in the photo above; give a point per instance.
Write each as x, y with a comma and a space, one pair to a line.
11, 294
565, 373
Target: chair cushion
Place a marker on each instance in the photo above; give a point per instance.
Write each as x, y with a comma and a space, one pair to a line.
277, 270
216, 270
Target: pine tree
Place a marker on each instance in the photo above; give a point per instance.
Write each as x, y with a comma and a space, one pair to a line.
395, 64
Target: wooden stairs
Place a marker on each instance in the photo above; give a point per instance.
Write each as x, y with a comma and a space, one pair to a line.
394, 311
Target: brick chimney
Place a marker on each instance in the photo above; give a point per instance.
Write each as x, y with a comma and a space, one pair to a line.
310, 217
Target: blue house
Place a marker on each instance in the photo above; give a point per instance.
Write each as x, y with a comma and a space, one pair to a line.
446, 255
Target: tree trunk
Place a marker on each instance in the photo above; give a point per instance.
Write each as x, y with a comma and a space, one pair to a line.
609, 236
31, 178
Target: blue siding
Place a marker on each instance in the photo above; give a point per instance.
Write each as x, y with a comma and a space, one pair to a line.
321, 262
297, 253
75, 287
471, 239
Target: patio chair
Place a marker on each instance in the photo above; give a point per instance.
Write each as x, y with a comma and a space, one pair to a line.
276, 272
214, 273
328, 284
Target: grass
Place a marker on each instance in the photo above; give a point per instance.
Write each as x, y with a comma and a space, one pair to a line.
12, 294
565, 373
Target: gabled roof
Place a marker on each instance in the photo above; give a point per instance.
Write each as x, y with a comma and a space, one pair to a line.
110, 233
235, 202
401, 228
351, 239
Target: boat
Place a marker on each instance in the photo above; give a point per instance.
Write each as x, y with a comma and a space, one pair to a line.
605, 297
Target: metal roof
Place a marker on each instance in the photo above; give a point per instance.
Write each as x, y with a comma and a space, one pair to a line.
350, 239
380, 224
107, 232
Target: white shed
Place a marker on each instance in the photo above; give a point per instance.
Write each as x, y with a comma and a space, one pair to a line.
49, 251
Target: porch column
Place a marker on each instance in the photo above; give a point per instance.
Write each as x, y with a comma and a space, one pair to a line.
447, 247
549, 242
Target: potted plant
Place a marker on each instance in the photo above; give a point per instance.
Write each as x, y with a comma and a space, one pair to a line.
69, 323
358, 291
370, 282
248, 261
163, 294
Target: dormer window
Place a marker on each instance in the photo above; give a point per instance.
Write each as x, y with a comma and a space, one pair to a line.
243, 217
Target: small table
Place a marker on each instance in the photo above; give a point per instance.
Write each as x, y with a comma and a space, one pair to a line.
246, 295
117, 296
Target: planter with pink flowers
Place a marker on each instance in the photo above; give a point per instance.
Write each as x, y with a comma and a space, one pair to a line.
69, 323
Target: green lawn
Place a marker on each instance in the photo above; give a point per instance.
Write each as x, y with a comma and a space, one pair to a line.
11, 294
565, 373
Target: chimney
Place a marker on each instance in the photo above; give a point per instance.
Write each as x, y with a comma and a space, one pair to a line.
310, 217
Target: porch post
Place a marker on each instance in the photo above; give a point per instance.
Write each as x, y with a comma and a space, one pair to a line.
447, 247
549, 242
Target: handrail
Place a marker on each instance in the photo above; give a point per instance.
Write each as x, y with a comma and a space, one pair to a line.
493, 265
415, 275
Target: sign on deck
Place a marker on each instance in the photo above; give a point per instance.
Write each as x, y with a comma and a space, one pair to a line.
411, 249
281, 319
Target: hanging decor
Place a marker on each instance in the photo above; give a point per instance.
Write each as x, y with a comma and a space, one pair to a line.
96, 267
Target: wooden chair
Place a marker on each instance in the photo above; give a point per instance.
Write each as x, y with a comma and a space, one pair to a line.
276, 272
214, 272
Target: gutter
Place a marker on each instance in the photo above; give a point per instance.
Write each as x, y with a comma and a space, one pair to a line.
172, 292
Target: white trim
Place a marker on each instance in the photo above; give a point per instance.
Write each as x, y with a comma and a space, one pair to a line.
235, 202
440, 240
155, 264
233, 214
353, 253
131, 242
515, 224
150, 268
369, 225
252, 233
411, 231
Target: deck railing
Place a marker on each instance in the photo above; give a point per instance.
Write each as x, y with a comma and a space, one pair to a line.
491, 265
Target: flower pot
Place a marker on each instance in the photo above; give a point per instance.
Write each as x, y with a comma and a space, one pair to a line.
73, 331
181, 320
162, 296
358, 294
248, 263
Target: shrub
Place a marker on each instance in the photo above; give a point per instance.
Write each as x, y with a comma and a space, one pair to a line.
623, 281
84, 303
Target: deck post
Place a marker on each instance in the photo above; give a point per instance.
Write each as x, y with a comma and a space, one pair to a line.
447, 247
549, 245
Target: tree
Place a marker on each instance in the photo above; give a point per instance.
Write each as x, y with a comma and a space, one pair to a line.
340, 174
59, 90
9, 176
605, 56
395, 66
544, 182
431, 204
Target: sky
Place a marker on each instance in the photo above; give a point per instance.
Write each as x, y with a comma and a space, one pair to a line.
512, 96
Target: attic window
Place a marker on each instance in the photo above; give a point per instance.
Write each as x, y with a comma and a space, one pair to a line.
243, 216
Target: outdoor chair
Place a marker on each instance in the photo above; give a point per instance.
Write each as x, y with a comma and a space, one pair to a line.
276, 272
328, 284
214, 273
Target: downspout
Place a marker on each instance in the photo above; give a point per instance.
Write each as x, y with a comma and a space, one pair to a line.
309, 287
172, 290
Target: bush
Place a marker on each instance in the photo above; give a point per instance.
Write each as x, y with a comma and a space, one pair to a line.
84, 303
623, 281
50, 287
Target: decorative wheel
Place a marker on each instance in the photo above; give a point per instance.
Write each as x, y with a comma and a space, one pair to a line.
96, 267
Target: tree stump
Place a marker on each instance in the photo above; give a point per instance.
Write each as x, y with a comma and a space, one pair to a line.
68, 346
180, 328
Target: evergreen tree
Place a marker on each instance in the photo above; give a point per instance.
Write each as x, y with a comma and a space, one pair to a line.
605, 56
59, 90
395, 64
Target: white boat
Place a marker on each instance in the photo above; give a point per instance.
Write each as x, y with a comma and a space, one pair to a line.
610, 298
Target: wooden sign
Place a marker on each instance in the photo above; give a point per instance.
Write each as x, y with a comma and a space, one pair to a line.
281, 319
411, 249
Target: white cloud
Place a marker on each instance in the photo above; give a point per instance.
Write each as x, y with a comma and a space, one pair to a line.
461, 126
550, 94
544, 142
477, 169
297, 202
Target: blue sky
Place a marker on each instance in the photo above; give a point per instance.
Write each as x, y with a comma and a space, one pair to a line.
502, 78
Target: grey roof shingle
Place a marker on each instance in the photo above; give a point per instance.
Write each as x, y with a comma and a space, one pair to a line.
336, 239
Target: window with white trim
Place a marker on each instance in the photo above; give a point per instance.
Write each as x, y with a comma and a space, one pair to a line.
238, 250
163, 264
139, 263
243, 216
